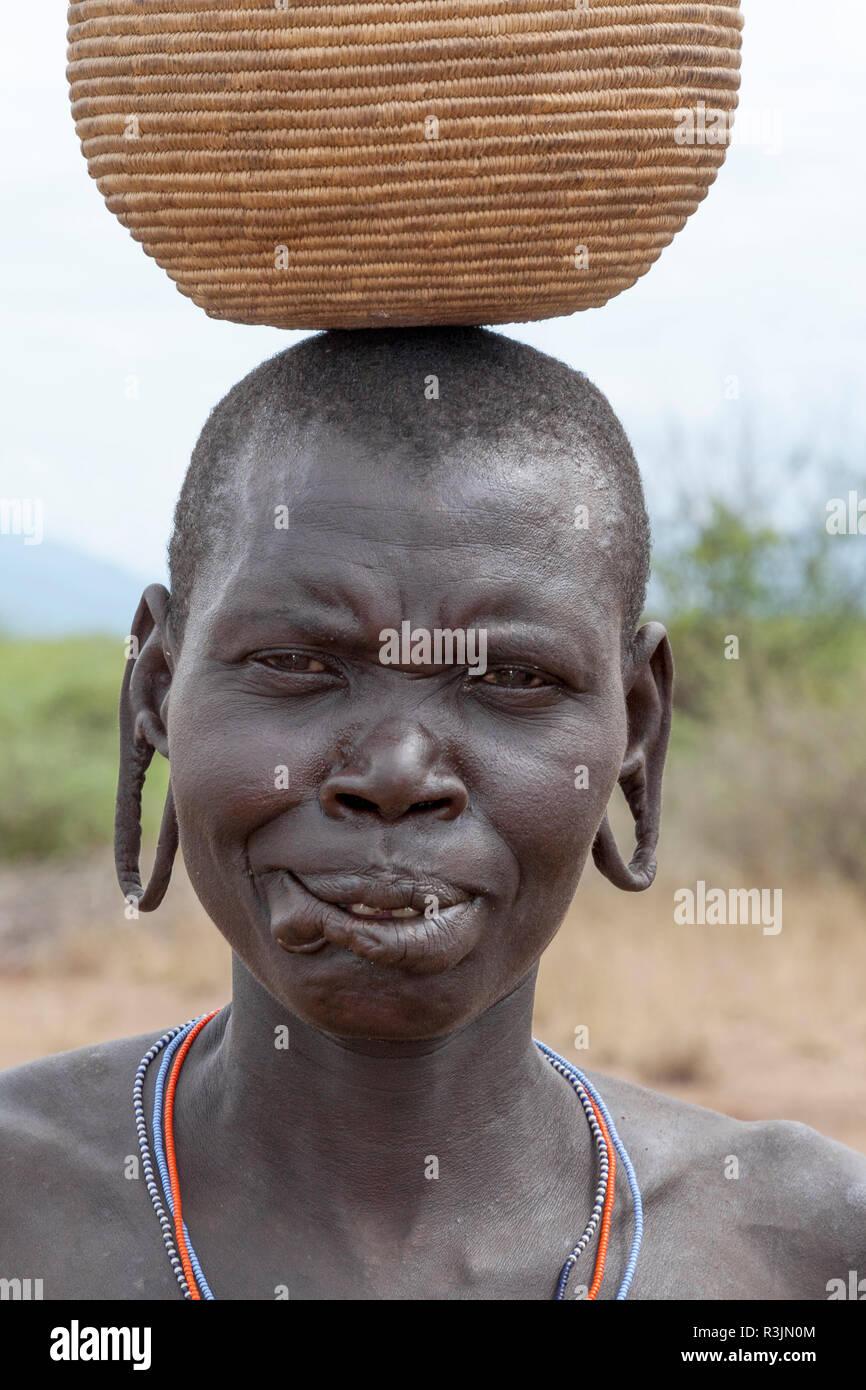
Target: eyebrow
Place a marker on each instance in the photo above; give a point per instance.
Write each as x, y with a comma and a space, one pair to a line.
539, 641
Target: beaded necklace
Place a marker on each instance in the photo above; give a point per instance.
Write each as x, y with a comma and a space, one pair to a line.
175, 1045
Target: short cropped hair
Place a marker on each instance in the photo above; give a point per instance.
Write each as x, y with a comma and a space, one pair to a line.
493, 391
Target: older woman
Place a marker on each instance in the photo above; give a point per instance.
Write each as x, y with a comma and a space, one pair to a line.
389, 837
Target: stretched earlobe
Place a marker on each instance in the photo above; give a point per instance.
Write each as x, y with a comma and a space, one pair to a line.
142, 733
633, 877
648, 701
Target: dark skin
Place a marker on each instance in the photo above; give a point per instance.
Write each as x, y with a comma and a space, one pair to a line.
305, 1168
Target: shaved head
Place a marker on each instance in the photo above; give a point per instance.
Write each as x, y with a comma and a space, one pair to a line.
429, 394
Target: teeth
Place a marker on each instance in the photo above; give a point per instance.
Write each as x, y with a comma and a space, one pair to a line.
362, 910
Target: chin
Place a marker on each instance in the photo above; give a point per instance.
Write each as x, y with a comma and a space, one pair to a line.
358, 1000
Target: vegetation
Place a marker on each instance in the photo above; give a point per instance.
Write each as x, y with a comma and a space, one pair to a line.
58, 728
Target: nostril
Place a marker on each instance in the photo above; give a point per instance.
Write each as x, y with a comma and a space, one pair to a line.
351, 802
355, 803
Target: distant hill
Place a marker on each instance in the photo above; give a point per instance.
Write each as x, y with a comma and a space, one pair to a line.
54, 590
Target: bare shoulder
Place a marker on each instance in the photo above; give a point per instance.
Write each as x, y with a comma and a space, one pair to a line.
66, 1125
77, 1087
775, 1208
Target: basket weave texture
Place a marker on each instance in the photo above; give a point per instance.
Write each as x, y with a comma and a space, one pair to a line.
412, 162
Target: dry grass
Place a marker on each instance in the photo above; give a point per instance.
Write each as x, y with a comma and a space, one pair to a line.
75, 971
758, 1026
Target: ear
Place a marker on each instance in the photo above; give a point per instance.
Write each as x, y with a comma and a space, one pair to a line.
143, 712
649, 679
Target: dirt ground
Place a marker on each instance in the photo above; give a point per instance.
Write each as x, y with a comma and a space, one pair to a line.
755, 1025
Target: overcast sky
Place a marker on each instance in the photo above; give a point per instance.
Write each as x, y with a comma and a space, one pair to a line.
766, 283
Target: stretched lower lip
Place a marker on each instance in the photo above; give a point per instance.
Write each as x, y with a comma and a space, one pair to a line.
427, 942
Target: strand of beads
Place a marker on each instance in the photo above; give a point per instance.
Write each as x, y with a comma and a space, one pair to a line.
184, 1261
146, 1162
604, 1171
637, 1202
159, 1152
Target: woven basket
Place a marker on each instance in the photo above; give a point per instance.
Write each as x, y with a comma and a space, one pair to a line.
410, 162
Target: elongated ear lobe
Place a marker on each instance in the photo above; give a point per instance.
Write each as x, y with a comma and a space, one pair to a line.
143, 702
649, 693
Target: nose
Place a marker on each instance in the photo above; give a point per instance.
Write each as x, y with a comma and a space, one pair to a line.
395, 771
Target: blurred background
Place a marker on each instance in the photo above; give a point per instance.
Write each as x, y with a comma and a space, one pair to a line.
736, 366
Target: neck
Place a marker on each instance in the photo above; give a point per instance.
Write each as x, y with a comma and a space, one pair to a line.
350, 1126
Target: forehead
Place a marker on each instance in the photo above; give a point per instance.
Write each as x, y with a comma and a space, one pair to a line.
374, 530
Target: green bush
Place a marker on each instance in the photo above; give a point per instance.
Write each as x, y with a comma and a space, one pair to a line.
58, 726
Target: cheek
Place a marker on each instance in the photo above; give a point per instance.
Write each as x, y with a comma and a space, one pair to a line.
226, 780
238, 760
547, 786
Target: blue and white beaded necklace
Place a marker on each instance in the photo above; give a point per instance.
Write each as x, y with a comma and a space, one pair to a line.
197, 1287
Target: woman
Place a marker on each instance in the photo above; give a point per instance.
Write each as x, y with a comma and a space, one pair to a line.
389, 836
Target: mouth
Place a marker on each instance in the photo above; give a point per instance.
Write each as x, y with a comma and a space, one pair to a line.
422, 925
381, 914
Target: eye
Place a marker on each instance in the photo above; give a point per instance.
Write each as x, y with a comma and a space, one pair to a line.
292, 663
515, 678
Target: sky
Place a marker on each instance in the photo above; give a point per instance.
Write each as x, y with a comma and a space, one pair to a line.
108, 373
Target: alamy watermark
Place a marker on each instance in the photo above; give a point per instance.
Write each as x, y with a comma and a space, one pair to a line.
77, 1343
22, 516
718, 907
758, 126
846, 516
20, 1290
438, 646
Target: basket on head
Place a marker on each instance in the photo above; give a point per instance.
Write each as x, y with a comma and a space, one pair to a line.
403, 161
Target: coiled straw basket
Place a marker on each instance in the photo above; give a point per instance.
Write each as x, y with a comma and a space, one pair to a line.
410, 162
